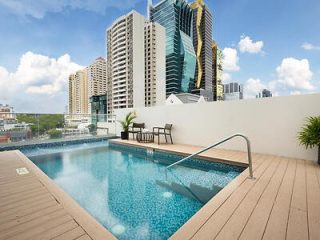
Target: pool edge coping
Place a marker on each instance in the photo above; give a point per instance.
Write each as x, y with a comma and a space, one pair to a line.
202, 157
22, 145
91, 226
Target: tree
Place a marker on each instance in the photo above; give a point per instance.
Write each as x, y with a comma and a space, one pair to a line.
54, 134
310, 134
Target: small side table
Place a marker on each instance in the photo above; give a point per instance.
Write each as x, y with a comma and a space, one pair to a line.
145, 137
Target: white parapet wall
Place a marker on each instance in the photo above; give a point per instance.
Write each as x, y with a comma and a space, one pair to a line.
271, 124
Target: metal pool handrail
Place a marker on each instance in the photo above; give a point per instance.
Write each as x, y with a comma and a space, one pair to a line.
216, 144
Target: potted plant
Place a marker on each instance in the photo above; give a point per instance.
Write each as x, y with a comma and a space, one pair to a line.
126, 123
310, 134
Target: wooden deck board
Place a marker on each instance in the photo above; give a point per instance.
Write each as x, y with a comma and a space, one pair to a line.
263, 208
313, 202
278, 220
233, 227
72, 234
216, 222
298, 219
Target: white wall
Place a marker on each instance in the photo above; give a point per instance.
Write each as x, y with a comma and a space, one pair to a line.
270, 123
160, 64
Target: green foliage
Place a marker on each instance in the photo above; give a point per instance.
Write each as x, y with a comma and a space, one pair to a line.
92, 128
128, 121
310, 134
45, 122
54, 134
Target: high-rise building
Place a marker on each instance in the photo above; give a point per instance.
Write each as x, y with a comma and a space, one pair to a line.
217, 72
176, 17
97, 79
136, 63
125, 53
264, 94
78, 92
233, 91
72, 93
155, 64
202, 42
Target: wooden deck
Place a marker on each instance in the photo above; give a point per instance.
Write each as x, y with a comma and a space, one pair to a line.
282, 202
33, 207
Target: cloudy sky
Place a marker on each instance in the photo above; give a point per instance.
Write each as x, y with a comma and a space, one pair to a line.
267, 44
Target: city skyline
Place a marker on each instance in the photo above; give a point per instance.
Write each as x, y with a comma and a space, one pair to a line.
280, 55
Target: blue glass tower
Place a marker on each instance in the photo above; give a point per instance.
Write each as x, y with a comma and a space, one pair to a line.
176, 17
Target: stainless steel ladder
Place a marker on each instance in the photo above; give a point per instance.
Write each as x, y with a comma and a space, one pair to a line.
216, 144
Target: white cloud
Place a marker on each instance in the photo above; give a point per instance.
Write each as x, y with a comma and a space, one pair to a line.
230, 60
309, 46
226, 77
253, 86
294, 77
247, 45
39, 8
294, 74
37, 81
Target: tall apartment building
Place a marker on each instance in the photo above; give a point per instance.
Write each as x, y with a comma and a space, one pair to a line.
233, 91
202, 42
97, 79
136, 63
217, 72
155, 64
176, 17
78, 92
125, 53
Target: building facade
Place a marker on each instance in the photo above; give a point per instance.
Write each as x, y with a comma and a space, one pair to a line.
217, 72
202, 42
98, 108
97, 79
6, 112
78, 92
233, 91
176, 17
155, 64
126, 66
136, 63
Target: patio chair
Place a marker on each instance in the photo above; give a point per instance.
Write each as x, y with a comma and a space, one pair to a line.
135, 128
166, 131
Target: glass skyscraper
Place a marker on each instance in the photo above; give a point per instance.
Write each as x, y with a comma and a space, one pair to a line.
176, 17
202, 42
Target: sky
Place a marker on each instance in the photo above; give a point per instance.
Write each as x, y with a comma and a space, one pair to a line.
266, 44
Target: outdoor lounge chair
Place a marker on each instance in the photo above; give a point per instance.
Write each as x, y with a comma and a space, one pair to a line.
166, 131
136, 128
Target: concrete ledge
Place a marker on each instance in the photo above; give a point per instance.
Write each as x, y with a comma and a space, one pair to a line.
52, 142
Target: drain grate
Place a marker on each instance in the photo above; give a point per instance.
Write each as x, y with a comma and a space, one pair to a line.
22, 171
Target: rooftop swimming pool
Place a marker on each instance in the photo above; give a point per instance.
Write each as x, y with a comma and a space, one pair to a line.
126, 188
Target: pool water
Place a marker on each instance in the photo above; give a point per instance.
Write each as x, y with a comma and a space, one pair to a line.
128, 191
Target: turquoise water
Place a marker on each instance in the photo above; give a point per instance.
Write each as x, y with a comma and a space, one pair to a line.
128, 191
